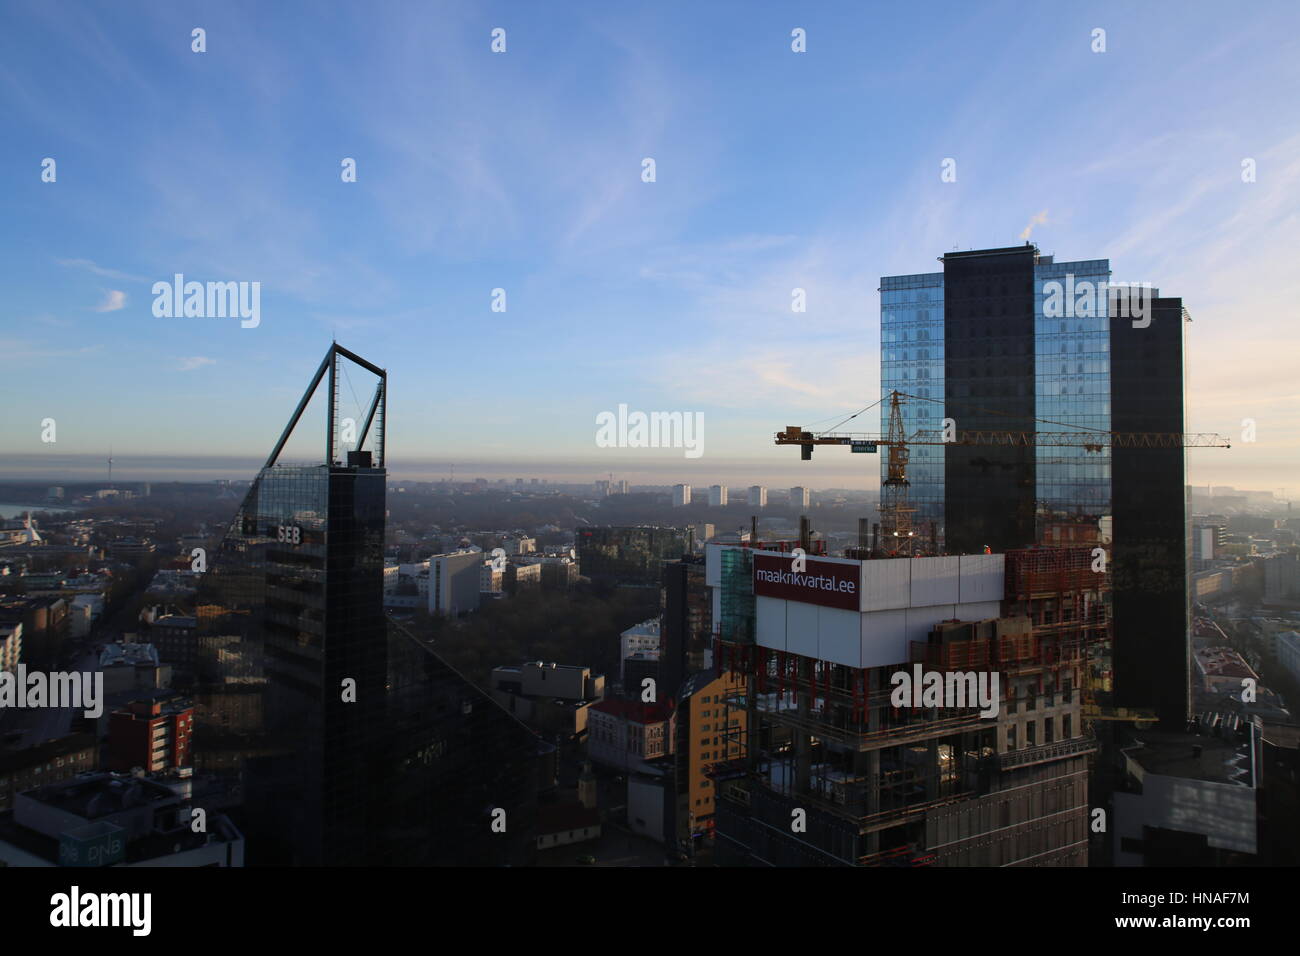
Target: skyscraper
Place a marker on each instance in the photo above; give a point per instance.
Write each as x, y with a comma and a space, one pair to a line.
337, 740
1006, 339
293, 655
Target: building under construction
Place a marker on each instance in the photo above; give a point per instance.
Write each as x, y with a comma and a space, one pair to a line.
819, 643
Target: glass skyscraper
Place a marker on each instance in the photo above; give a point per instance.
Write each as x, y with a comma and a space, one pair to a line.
333, 740
986, 381
1009, 340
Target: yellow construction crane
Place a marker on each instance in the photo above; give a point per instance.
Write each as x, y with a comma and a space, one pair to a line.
895, 510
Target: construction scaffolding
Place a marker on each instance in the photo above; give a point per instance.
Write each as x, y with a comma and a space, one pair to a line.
829, 737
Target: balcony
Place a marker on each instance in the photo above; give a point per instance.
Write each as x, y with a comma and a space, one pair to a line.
1045, 752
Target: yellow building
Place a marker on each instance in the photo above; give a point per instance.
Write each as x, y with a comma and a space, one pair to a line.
708, 733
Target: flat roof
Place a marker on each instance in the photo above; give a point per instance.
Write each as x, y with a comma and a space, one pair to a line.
1171, 754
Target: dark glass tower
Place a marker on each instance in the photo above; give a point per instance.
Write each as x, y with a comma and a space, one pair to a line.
1151, 551
685, 635
293, 656
988, 334
334, 737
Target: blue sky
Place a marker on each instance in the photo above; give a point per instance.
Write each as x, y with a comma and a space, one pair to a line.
522, 171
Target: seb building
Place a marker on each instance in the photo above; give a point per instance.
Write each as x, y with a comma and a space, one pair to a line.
836, 771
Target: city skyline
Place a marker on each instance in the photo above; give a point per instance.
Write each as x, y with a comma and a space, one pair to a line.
673, 295
740, 435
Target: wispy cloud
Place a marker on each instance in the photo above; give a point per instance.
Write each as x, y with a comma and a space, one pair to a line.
114, 299
194, 361
93, 267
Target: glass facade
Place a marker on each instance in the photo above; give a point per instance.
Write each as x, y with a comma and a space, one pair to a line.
989, 490
991, 381
1149, 558
293, 660
911, 361
452, 757
1072, 382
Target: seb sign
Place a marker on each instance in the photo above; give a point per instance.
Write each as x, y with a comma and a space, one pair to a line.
817, 581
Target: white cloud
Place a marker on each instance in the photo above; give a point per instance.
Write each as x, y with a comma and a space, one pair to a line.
114, 299
195, 361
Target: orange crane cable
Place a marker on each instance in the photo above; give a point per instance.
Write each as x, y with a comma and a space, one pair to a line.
854, 415
990, 411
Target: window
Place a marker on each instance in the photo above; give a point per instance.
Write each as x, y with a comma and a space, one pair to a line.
1047, 730
1011, 737
1066, 729
1029, 734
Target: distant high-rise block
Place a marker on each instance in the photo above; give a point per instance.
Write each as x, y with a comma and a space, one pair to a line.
757, 496
718, 495
627, 556
454, 581
681, 495
799, 497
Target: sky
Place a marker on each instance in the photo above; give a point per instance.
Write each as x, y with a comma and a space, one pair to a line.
523, 171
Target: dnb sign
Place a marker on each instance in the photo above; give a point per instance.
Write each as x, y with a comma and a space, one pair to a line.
827, 583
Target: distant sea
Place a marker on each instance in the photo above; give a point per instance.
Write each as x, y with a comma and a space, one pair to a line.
8, 510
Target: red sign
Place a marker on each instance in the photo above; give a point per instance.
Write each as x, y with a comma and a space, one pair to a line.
817, 581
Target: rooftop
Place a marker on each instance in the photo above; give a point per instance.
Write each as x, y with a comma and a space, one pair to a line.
92, 796
1194, 756
129, 655
635, 711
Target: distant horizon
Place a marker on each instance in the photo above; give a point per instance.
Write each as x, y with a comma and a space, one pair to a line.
850, 473
162, 468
